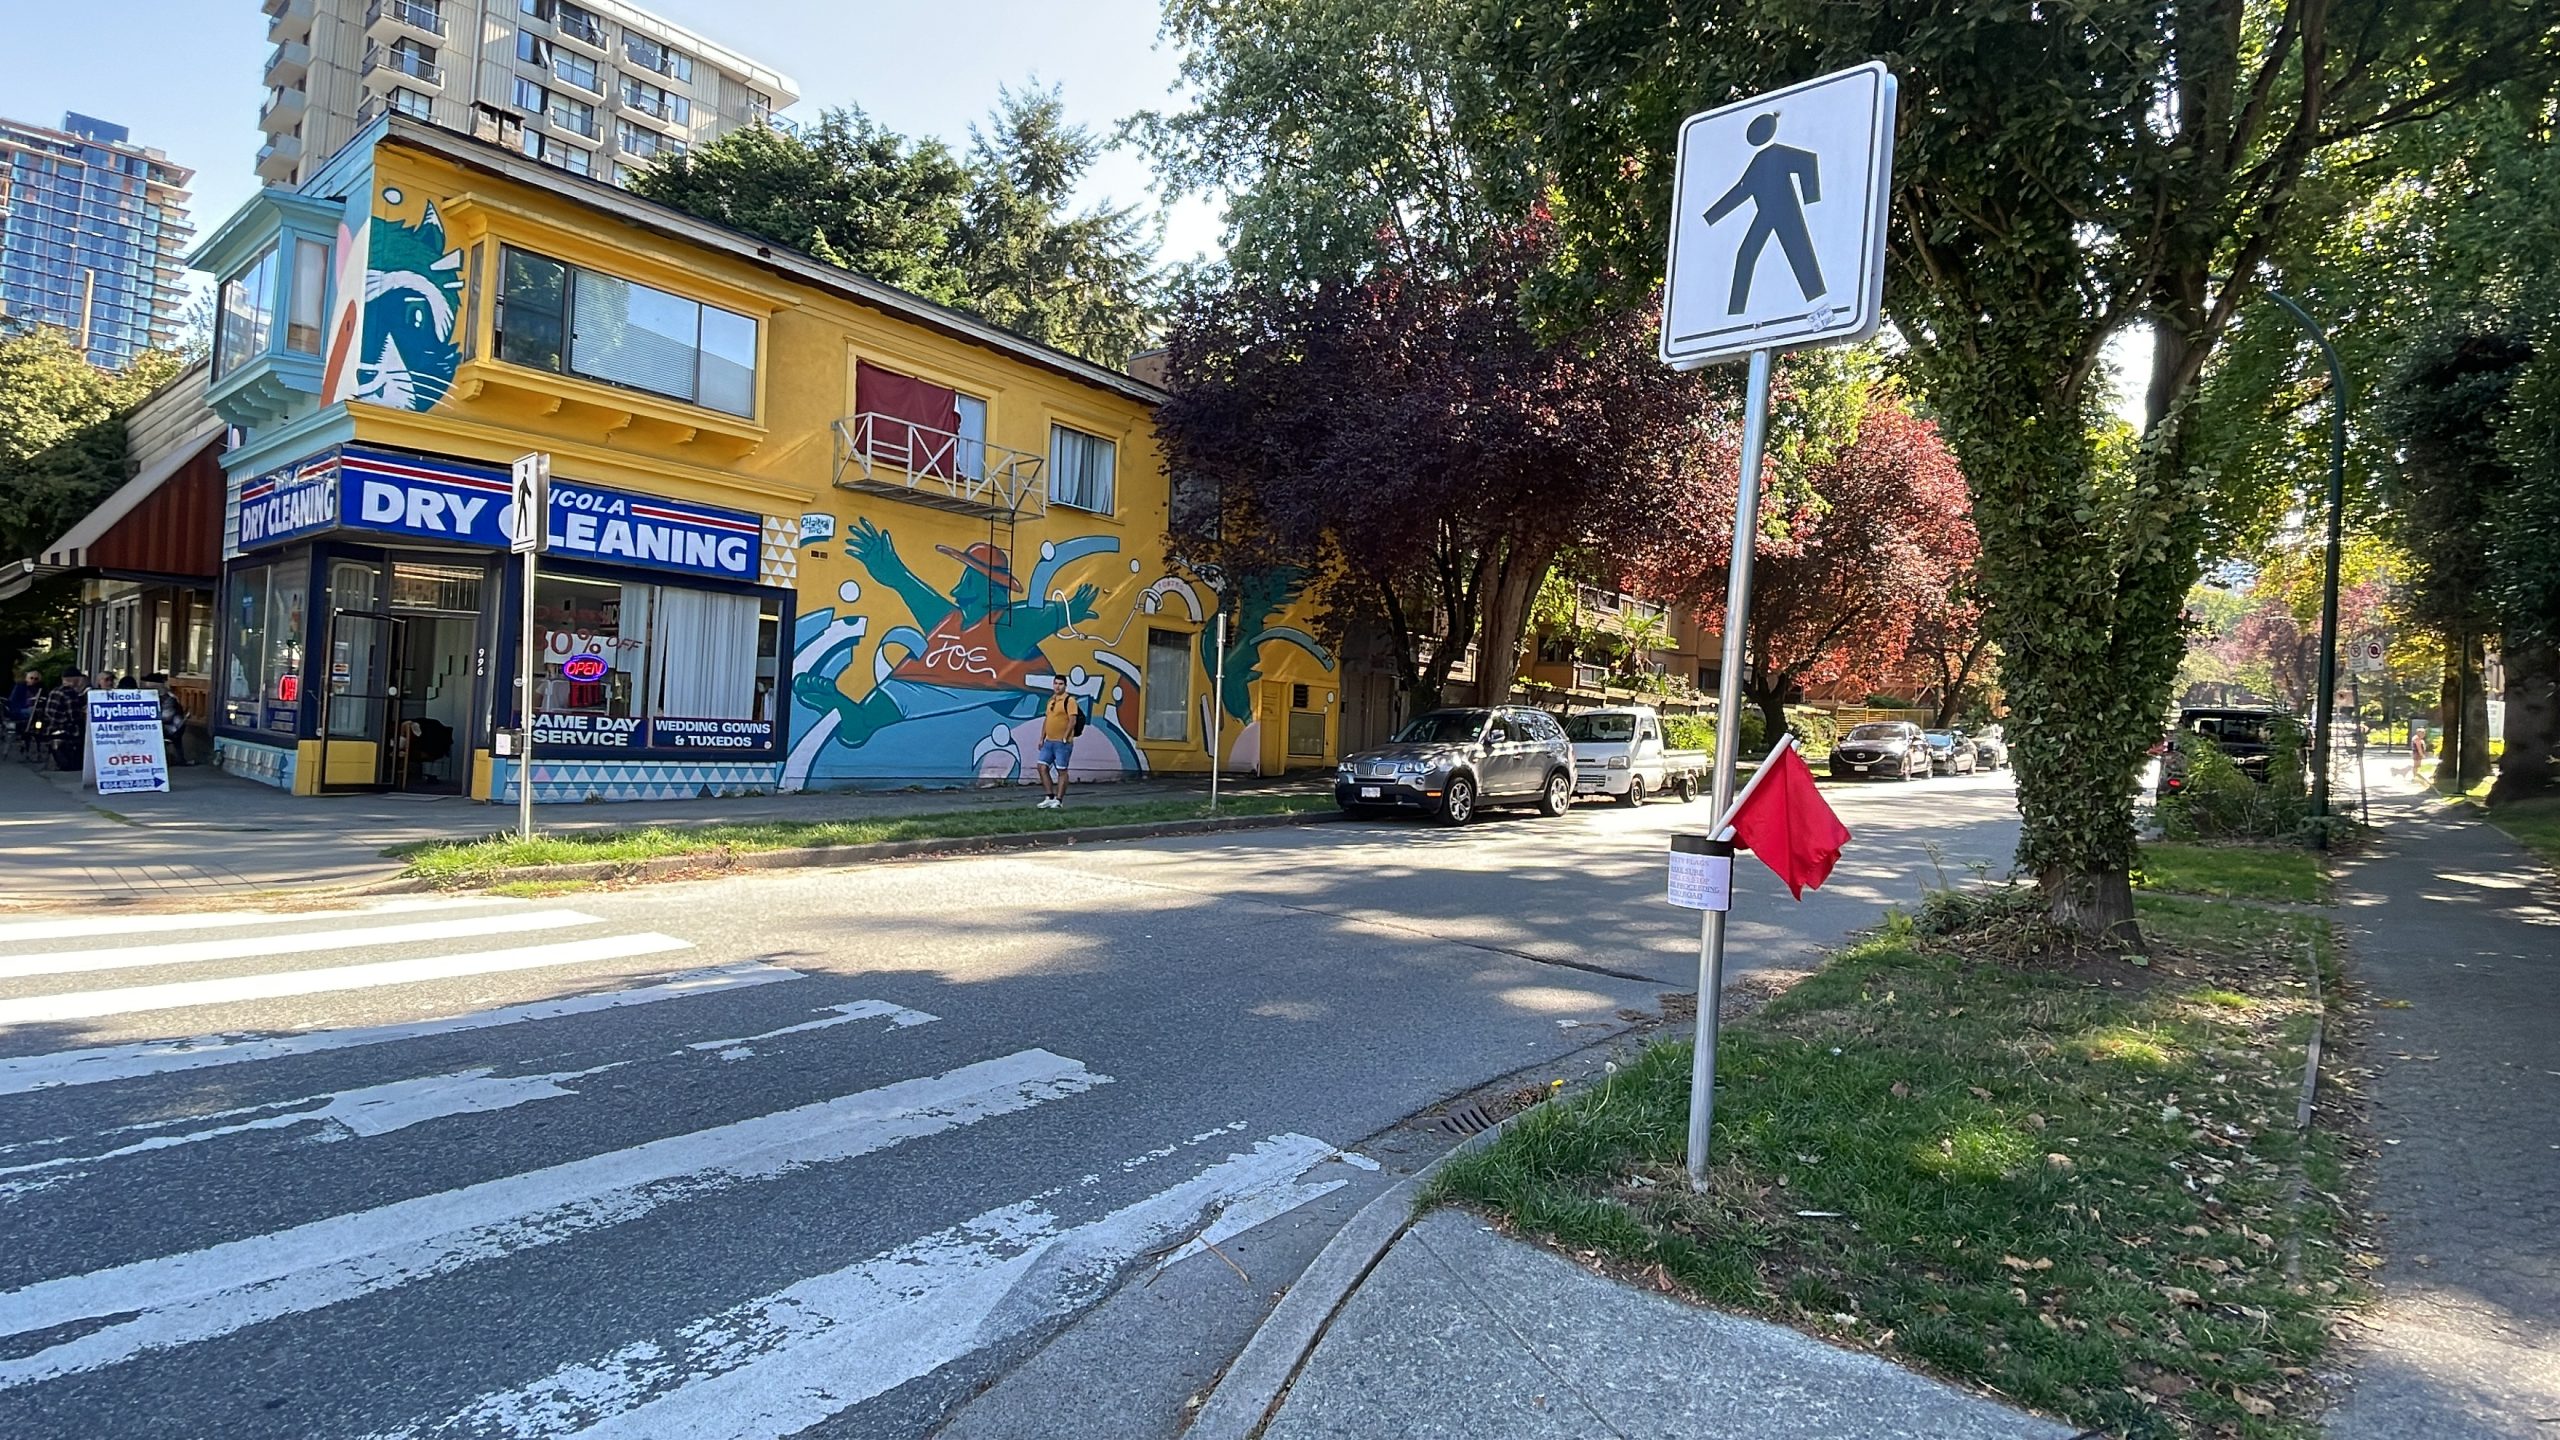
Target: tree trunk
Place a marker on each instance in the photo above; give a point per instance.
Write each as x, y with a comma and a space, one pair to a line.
1508, 587
2457, 648
2475, 714
1773, 716
2533, 695
2094, 903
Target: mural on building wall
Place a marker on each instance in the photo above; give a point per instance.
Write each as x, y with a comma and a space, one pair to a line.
412, 302
1250, 602
959, 664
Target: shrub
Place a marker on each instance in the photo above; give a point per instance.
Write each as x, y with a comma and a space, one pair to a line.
1816, 731
2218, 801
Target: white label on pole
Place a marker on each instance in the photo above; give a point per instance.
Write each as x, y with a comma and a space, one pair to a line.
2370, 654
1778, 220
529, 512
125, 751
1701, 882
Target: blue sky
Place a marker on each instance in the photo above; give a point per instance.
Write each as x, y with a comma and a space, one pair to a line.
183, 75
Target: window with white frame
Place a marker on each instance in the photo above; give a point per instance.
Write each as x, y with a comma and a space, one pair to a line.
572, 115
1080, 467
310, 289
244, 319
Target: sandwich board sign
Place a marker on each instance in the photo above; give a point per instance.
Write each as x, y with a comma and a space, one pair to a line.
1778, 220
124, 751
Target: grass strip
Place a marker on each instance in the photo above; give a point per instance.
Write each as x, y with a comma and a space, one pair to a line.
494, 857
2247, 872
2074, 1188
2534, 824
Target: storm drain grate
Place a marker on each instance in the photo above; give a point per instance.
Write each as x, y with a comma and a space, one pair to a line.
1468, 1119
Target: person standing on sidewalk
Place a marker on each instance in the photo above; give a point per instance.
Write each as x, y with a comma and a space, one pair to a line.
66, 719
1060, 724
24, 698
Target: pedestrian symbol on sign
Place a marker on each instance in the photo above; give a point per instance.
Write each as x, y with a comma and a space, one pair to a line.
1780, 181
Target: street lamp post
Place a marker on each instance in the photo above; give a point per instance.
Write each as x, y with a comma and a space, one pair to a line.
2329, 582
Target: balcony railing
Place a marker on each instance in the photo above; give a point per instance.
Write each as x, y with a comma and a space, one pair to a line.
415, 67
405, 12
581, 28
940, 468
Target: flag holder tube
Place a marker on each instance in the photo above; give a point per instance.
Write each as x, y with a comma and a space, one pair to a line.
1737, 611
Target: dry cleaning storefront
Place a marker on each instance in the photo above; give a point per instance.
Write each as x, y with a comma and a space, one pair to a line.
370, 631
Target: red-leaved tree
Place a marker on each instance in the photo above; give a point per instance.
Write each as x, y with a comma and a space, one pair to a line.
1848, 563
1412, 438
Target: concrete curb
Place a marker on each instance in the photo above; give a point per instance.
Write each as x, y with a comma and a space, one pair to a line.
825, 856
1245, 1396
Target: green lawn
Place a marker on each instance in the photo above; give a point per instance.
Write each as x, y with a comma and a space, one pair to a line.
2248, 872
2076, 1189
2534, 824
479, 862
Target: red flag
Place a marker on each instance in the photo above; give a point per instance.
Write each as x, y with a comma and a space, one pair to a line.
1784, 820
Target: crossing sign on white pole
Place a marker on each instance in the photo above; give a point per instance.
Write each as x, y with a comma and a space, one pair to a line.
530, 510
1778, 219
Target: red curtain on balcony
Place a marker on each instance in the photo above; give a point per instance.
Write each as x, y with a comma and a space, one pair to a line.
933, 412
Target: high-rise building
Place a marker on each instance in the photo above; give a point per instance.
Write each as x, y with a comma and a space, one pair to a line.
595, 88
93, 235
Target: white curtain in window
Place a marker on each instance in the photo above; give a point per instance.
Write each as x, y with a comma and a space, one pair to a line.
706, 661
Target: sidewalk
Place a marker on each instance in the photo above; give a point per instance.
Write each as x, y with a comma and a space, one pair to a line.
2451, 916
216, 835
1461, 1334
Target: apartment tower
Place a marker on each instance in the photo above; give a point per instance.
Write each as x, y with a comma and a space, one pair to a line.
595, 88
93, 235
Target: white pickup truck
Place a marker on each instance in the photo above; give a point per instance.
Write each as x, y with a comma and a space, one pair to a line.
1618, 752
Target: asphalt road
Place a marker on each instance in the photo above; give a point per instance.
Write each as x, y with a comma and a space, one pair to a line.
1019, 1145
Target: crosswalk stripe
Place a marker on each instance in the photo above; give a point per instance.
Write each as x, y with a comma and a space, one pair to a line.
259, 947
898, 1016
167, 923
106, 1063
776, 1365
181, 1299
180, 995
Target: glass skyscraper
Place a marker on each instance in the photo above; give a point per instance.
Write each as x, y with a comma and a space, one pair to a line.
93, 231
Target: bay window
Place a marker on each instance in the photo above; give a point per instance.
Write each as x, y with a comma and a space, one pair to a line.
244, 321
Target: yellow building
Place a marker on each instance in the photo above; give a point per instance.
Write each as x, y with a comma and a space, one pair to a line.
804, 530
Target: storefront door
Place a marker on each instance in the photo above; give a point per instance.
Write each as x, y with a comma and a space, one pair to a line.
363, 700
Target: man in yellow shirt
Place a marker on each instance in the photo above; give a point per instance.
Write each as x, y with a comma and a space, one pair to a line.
1058, 727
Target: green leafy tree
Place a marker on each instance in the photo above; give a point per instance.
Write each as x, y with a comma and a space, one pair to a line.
1082, 281
847, 190
2062, 173
995, 235
1338, 130
62, 450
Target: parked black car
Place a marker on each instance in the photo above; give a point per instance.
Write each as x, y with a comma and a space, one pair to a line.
1950, 752
1452, 763
1991, 748
1881, 748
2246, 735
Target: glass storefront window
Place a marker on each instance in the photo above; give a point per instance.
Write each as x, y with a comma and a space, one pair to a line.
614, 653
288, 600
579, 618
244, 670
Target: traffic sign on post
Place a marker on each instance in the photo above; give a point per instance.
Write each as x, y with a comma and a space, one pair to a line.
1778, 220
528, 530
1777, 243
2370, 655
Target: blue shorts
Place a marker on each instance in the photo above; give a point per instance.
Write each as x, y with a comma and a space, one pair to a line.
1055, 753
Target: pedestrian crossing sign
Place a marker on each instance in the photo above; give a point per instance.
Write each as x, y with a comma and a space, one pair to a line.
1777, 230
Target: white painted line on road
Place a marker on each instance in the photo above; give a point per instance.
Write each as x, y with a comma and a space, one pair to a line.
260, 947
360, 1113
776, 1365
89, 926
135, 999
181, 1299
898, 1016
106, 1063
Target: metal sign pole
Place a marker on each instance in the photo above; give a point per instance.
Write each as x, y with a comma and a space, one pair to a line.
531, 519
1737, 612
525, 666
1217, 711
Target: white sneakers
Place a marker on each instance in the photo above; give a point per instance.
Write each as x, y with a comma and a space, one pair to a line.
1049, 804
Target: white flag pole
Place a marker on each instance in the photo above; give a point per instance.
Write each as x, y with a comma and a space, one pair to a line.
1724, 822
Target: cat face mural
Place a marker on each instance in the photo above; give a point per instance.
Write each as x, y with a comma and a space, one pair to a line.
412, 294
962, 651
